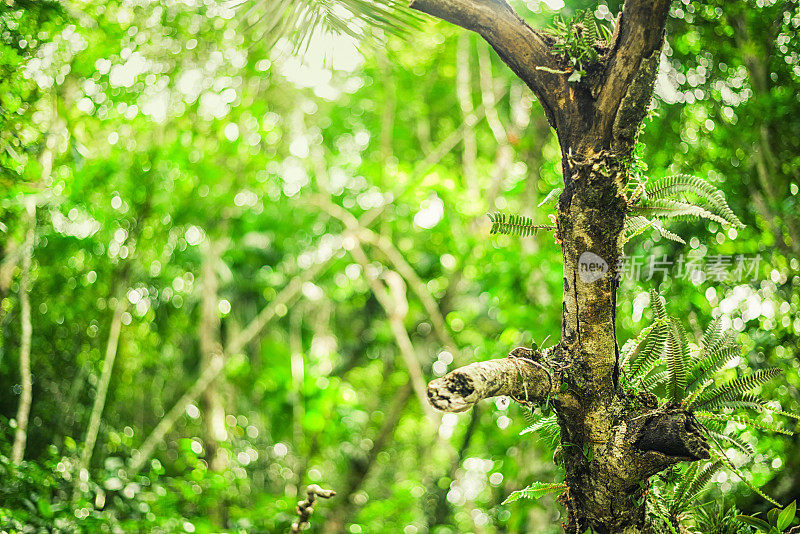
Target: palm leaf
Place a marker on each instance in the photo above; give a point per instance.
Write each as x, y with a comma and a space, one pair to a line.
299, 20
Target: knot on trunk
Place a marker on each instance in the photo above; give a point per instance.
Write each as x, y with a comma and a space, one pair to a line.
674, 433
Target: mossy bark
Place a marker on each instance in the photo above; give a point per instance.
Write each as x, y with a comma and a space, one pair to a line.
612, 440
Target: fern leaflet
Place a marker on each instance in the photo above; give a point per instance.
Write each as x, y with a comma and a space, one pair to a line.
535, 491
515, 225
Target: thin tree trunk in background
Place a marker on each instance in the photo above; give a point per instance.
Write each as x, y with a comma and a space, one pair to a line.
285, 298
102, 388
26, 397
359, 470
464, 93
209, 336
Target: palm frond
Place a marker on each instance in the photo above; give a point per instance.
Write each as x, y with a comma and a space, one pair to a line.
515, 225
536, 490
299, 20
669, 187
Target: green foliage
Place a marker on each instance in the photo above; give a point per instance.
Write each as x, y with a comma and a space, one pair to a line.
659, 358
515, 225
670, 197
547, 427
718, 517
536, 490
578, 40
300, 19
778, 520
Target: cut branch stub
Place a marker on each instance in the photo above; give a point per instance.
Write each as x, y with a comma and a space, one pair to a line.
674, 433
517, 376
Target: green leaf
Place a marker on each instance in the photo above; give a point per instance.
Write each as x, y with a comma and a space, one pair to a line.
786, 517
515, 225
44, 508
535, 491
760, 524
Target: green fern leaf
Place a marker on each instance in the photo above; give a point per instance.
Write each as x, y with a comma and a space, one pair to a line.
650, 354
676, 364
657, 304
667, 234
536, 491
673, 209
712, 333
546, 427
515, 225
733, 441
710, 363
702, 479
738, 385
551, 198
720, 456
634, 226
754, 423
670, 186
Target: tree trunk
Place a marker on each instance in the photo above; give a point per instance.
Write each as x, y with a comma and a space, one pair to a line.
26, 397
612, 441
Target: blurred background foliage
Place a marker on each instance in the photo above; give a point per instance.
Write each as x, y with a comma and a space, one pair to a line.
269, 240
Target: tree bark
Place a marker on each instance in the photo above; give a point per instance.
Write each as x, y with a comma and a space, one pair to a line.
612, 440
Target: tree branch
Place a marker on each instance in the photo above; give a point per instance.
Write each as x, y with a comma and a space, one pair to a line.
521, 47
636, 47
518, 376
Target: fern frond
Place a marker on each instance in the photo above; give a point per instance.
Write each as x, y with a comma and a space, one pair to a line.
720, 456
733, 441
651, 351
713, 360
739, 400
551, 198
712, 333
634, 226
632, 347
546, 427
683, 486
673, 209
669, 186
753, 423
657, 304
651, 382
515, 225
702, 479
667, 234
676, 365
738, 385
536, 490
